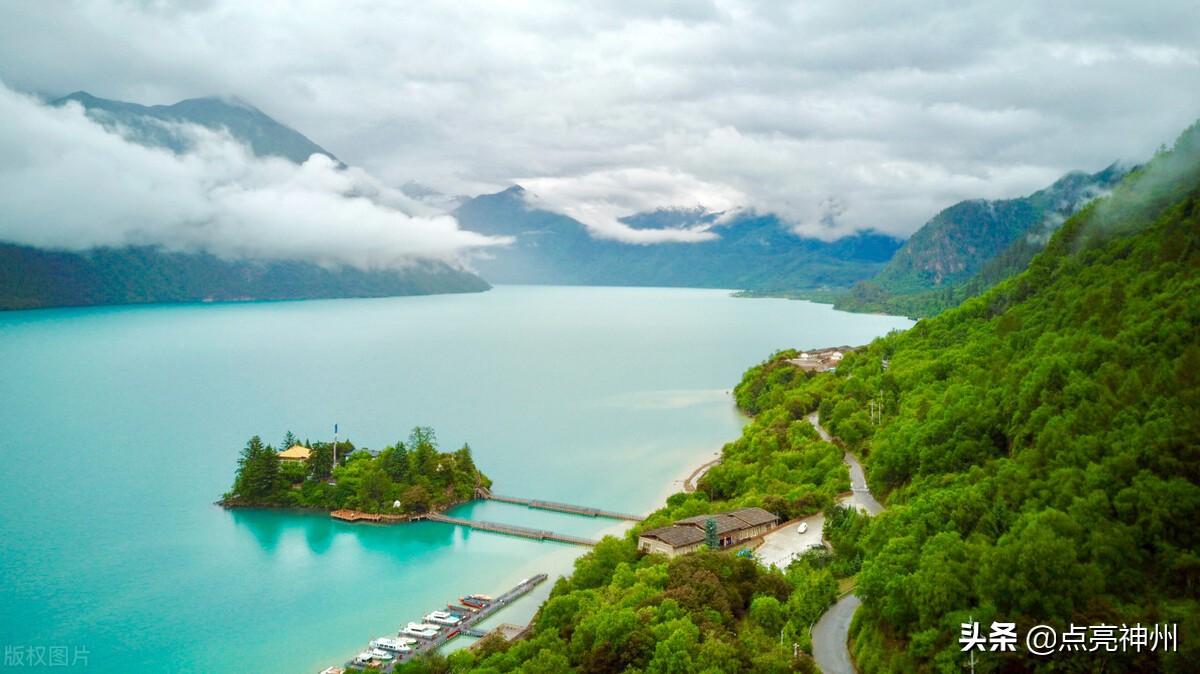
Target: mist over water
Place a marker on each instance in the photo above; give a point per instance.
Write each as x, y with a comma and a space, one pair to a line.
122, 426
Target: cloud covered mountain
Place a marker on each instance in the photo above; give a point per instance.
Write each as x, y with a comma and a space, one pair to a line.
745, 251
206, 183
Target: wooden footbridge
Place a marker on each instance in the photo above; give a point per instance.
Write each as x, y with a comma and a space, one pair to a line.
558, 507
523, 532
509, 529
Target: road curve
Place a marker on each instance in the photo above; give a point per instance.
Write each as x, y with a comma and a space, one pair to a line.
831, 633
829, 636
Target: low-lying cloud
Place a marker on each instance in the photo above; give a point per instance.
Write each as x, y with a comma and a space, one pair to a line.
68, 183
601, 199
835, 115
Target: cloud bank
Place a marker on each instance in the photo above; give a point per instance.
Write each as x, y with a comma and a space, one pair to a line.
600, 199
68, 183
836, 115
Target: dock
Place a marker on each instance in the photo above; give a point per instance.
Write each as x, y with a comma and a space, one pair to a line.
561, 507
359, 516
465, 627
511, 530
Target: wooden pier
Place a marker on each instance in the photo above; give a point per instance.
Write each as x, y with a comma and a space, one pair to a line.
359, 516
466, 627
523, 532
559, 507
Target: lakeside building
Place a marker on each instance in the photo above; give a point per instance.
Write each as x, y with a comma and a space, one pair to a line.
821, 360
295, 453
687, 535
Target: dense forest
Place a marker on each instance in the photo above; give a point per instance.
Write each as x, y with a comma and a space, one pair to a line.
1038, 449
413, 472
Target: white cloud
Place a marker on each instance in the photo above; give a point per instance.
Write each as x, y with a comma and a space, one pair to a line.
68, 183
601, 198
894, 111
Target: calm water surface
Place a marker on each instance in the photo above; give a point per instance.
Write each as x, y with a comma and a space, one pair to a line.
120, 426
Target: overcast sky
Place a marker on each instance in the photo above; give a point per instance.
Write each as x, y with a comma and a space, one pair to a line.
837, 115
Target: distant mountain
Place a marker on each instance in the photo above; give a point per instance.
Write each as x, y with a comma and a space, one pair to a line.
152, 124
32, 278
971, 245
755, 252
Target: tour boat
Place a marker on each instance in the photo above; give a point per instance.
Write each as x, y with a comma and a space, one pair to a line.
441, 618
389, 644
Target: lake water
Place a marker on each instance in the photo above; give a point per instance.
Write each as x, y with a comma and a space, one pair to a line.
120, 426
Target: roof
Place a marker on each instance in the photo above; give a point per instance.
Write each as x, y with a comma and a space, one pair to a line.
295, 453
725, 522
676, 536
690, 530
755, 516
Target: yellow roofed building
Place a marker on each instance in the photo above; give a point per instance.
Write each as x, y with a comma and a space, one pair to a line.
295, 453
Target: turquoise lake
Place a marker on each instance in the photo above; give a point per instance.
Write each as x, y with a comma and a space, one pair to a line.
119, 427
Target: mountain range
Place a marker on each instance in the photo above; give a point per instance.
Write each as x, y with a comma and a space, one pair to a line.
34, 278
960, 252
754, 251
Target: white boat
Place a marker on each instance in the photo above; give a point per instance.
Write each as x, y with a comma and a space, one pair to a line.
389, 644
441, 618
425, 626
405, 641
363, 658
413, 629
380, 654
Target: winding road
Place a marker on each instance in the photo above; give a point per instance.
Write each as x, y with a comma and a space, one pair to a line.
831, 632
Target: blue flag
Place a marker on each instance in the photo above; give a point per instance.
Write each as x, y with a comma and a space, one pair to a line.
335, 429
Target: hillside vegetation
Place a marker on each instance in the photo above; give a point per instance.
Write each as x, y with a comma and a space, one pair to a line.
414, 473
1039, 446
1038, 449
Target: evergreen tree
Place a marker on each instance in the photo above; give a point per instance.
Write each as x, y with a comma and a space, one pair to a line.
258, 475
395, 462
289, 439
320, 462
710, 533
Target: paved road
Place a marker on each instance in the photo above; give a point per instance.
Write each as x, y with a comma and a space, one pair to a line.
829, 637
781, 547
831, 632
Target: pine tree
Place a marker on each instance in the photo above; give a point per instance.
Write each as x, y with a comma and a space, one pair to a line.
396, 463
710, 533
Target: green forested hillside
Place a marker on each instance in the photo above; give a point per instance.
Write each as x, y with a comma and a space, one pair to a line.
1038, 450
1040, 446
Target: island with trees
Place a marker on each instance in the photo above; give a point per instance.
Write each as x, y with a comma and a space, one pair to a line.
408, 478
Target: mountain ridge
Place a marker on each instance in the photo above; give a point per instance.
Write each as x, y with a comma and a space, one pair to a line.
973, 244
32, 278
752, 251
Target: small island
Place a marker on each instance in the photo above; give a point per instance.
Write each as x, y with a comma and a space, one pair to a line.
401, 481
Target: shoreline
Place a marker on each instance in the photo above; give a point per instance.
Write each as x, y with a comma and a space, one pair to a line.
689, 483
